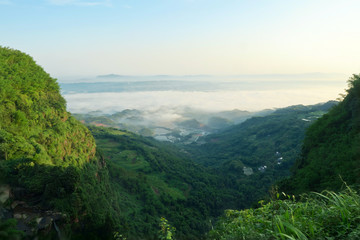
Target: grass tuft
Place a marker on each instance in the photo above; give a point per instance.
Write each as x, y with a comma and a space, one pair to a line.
325, 215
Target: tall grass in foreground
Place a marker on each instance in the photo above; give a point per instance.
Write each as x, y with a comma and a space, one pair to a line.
327, 215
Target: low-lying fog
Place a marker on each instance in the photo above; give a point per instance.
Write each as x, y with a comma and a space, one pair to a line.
113, 93
182, 109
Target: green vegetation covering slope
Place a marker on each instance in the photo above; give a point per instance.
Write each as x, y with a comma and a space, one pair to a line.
34, 123
331, 148
48, 168
326, 215
55, 183
153, 179
330, 155
255, 141
258, 152
58, 185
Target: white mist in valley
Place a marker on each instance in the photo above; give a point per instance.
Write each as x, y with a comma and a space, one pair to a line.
163, 102
210, 96
157, 101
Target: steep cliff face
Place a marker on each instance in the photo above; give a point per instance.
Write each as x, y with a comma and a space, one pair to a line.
331, 149
34, 123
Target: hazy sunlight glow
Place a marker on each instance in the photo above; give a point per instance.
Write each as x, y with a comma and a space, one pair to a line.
138, 37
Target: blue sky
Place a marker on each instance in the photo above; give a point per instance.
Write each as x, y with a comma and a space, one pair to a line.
221, 37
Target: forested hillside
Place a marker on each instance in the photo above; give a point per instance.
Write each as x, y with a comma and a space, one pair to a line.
153, 180
329, 160
331, 150
49, 173
255, 141
253, 155
34, 122
54, 183
59, 179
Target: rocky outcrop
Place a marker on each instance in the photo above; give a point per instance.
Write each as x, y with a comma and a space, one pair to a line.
31, 220
4, 193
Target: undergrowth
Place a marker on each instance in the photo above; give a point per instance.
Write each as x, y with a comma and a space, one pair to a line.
326, 215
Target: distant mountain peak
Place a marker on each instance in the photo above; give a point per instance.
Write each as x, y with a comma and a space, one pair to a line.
111, 76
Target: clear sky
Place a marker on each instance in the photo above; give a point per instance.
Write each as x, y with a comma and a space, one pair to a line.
146, 37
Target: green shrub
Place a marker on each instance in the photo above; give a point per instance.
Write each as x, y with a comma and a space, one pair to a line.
326, 215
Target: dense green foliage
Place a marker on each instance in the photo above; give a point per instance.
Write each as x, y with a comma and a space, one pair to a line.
34, 123
137, 188
166, 230
330, 155
48, 159
251, 156
331, 148
326, 215
255, 141
156, 180
8, 230
153, 179
46, 156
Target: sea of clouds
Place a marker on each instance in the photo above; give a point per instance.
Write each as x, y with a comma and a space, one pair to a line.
222, 100
164, 102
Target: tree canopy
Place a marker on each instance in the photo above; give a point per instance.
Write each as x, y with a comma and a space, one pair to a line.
34, 123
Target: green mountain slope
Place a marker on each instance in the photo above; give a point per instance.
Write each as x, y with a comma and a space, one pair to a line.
153, 180
54, 182
330, 156
331, 149
326, 215
48, 169
258, 152
34, 123
257, 139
